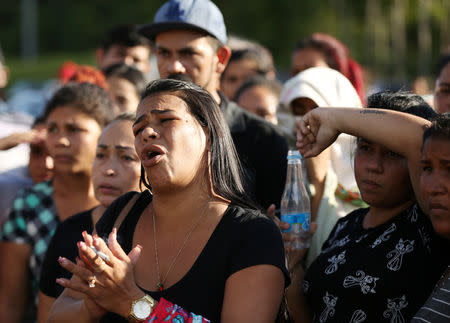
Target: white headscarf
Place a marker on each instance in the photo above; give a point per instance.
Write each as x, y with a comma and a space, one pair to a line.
328, 88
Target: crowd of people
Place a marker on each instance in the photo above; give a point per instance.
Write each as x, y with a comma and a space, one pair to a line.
127, 198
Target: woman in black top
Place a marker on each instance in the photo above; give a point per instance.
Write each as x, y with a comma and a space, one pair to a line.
115, 171
194, 239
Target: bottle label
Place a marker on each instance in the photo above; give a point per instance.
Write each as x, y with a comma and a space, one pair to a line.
298, 221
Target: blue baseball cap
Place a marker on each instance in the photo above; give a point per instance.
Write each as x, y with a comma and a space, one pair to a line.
199, 15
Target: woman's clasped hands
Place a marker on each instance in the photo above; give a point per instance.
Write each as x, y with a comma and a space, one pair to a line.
106, 277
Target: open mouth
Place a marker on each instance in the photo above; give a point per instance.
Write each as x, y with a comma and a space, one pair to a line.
152, 156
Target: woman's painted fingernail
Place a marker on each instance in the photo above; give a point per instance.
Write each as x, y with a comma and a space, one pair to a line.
82, 245
62, 260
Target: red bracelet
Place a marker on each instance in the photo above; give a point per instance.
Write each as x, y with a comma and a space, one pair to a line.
165, 311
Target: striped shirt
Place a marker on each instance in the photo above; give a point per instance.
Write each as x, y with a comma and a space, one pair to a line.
437, 307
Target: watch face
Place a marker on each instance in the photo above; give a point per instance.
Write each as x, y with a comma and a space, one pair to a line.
142, 309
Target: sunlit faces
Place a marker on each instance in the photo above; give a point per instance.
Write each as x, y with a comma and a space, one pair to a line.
187, 52
301, 106
116, 168
305, 58
236, 73
435, 182
40, 166
123, 93
382, 175
137, 56
170, 142
442, 91
260, 101
72, 139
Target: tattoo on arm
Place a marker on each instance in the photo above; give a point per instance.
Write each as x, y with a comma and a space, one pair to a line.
372, 111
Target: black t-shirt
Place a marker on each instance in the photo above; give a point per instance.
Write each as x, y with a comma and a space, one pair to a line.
63, 243
380, 274
262, 151
242, 238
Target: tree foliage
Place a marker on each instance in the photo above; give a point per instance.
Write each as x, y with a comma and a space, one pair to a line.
65, 25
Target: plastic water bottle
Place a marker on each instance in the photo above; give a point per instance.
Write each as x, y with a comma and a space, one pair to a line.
295, 205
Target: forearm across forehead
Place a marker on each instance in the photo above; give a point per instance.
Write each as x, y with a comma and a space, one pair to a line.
400, 132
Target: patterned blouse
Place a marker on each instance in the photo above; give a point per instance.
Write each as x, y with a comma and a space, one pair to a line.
380, 274
33, 220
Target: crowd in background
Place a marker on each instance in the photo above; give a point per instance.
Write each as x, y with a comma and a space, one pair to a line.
204, 140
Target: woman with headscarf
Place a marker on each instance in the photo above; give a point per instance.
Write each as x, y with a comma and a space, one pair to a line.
332, 183
321, 49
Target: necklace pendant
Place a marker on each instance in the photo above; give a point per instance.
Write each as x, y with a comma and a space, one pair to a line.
160, 287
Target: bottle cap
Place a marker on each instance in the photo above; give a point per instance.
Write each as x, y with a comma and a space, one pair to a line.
294, 154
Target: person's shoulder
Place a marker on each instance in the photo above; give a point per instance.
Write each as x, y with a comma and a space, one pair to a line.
415, 227
415, 219
30, 197
354, 215
76, 219
415, 214
111, 214
249, 218
124, 199
350, 222
42, 188
16, 175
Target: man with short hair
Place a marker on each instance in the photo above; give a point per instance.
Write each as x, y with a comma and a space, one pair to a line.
189, 39
123, 44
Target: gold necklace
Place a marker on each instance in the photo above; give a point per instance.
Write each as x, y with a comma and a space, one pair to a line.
160, 284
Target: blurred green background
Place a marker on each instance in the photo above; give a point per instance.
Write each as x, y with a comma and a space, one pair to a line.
393, 39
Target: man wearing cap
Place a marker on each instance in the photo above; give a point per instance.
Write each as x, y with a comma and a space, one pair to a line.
189, 37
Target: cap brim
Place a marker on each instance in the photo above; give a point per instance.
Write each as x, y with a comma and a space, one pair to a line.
151, 30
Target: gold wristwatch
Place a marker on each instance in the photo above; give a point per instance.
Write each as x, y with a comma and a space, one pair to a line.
141, 308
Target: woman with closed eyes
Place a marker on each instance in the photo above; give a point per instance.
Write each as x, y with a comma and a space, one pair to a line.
191, 241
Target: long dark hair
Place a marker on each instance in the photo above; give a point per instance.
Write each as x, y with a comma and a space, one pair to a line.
224, 164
